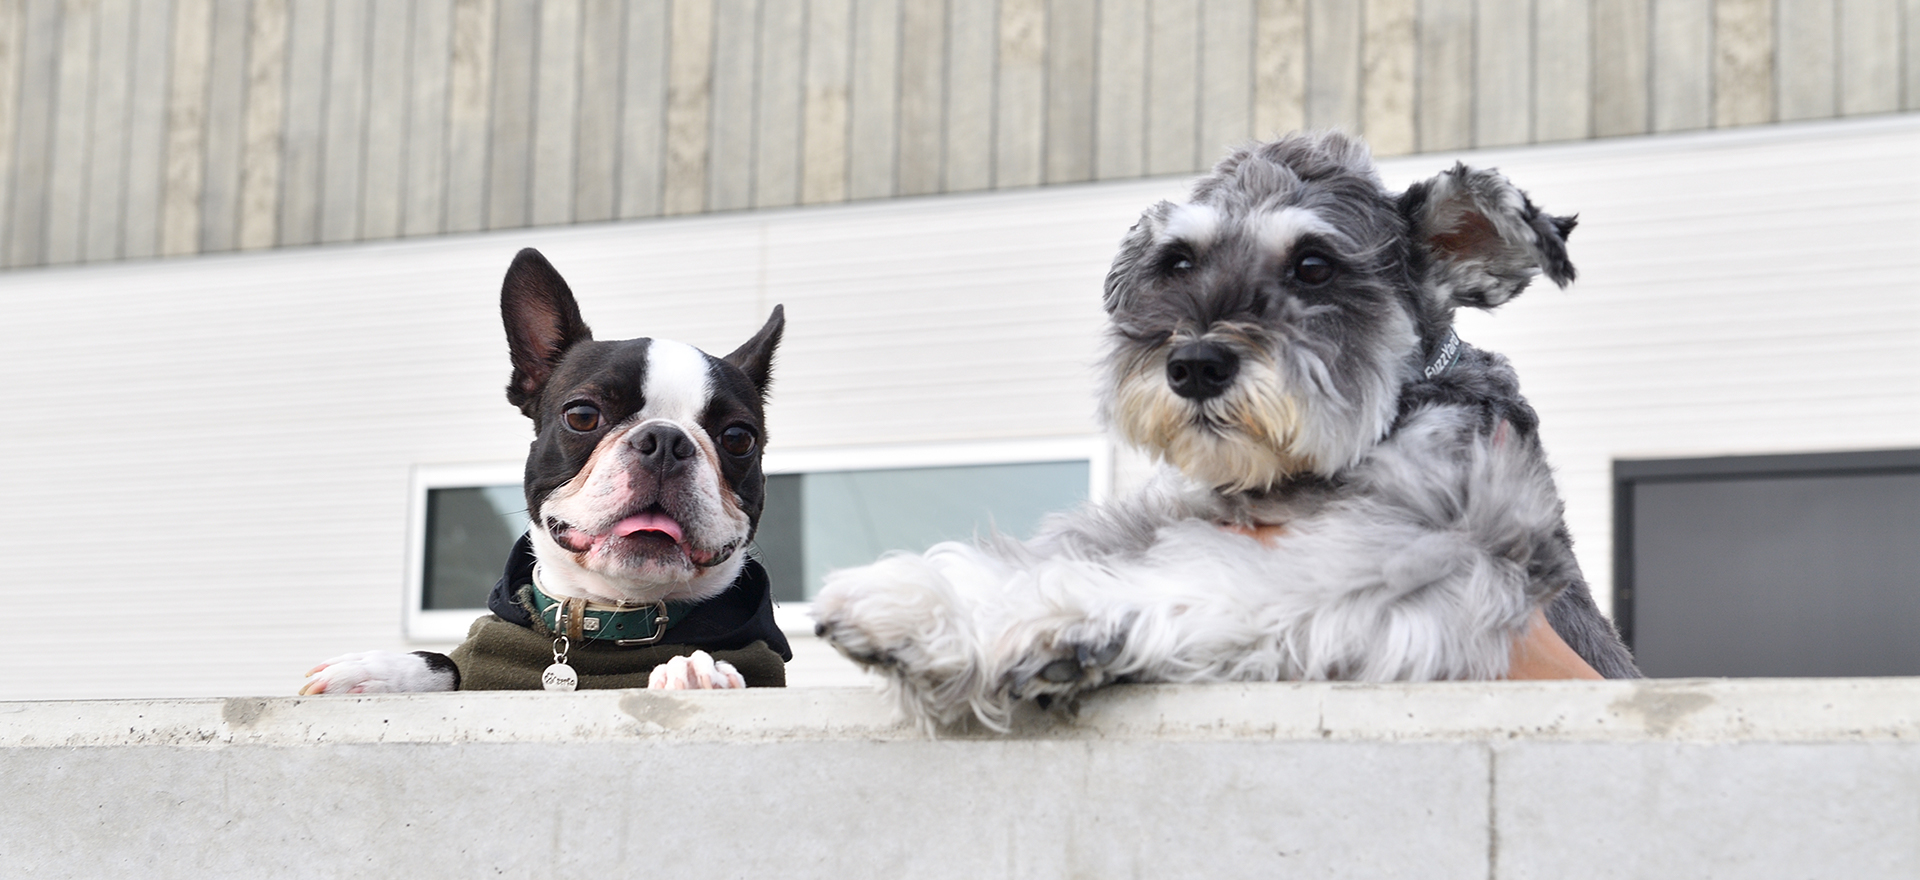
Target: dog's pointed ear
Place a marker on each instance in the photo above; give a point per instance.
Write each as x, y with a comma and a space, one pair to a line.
543, 322
1483, 240
755, 356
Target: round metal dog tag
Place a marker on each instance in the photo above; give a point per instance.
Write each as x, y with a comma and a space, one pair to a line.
559, 677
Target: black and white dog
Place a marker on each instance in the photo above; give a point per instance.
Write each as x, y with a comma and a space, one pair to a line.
1284, 340
643, 488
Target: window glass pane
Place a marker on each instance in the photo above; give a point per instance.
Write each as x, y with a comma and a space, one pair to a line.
469, 532
822, 521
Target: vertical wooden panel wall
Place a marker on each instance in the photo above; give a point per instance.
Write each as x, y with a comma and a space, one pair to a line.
140, 128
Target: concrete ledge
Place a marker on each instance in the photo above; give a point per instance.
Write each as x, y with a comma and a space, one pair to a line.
1745, 778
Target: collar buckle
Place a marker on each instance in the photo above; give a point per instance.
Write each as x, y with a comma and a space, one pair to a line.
660, 621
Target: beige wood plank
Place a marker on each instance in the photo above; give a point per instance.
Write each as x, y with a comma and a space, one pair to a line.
382, 189
1072, 34
423, 206
65, 217
343, 146
1621, 66
1563, 70
147, 129
1280, 68
923, 61
973, 41
643, 109
597, 131
1742, 62
226, 126
874, 99
1503, 68
689, 106
107, 133
259, 210
1226, 71
556, 113
825, 118
186, 127
510, 128
1120, 121
1682, 65
1870, 64
1333, 64
1444, 113
1911, 54
736, 44
1806, 80
1019, 149
469, 114
307, 26
1387, 85
12, 37
1173, 94
781, 90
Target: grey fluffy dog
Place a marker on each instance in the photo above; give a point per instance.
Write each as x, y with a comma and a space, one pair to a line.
1284, 340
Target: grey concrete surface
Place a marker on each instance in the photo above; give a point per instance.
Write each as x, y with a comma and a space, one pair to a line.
1684, 778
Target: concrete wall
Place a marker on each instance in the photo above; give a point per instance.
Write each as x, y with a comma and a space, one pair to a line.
136, 128
1684, 778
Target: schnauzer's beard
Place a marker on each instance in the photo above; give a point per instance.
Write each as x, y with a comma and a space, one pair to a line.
1246, 439
1281, 418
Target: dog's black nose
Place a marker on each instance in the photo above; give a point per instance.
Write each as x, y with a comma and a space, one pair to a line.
1200, 370
663, 447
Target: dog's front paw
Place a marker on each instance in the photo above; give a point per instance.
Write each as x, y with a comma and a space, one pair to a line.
382, 672
1066, 662
694, 672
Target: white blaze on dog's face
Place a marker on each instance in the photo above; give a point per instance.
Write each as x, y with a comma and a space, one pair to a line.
643, 481
651, 514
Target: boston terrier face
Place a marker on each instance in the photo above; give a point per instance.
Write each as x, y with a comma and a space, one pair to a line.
643, 480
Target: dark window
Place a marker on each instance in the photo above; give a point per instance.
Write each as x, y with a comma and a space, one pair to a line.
469, 532
1781, 565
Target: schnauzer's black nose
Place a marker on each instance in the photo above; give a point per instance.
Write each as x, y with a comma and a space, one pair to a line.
663, 447
1201, 370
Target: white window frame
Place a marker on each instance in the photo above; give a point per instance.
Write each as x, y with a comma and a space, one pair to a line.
419, 624
794, 618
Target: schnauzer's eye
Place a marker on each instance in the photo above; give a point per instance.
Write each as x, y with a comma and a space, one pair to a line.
583, 417
1313, 270
737, 440
1176, 262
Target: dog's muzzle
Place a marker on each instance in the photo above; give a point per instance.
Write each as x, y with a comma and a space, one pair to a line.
1202, 370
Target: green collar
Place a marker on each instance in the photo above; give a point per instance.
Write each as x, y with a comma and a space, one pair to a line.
645, 625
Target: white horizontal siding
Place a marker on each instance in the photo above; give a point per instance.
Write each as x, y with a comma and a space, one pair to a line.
204, 468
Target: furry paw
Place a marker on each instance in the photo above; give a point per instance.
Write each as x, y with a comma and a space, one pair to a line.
696, 671
382, 672
1066, 663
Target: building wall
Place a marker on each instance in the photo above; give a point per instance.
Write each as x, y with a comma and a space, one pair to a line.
206, 463
136, 128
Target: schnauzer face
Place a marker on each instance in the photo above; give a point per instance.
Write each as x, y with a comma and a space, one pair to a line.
1264, 328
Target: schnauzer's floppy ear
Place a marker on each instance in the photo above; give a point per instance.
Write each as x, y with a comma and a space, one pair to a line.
1483, 240
755, 356
542, 322
1133, 249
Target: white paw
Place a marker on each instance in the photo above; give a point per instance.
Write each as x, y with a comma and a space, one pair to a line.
376, 672
696, 671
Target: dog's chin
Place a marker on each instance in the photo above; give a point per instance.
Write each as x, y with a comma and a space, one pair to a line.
1241, 442
646, 566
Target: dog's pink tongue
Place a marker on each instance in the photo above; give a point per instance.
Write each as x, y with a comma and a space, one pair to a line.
648, 522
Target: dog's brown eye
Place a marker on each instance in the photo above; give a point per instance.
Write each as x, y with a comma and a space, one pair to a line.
583, 417
737, 440
1313, 270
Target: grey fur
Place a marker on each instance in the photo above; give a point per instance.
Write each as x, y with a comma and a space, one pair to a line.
1271, 339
